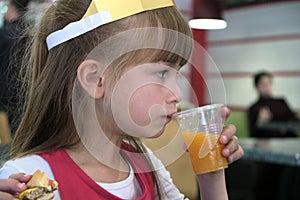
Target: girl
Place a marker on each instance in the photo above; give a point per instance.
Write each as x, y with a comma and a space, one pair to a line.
103, 74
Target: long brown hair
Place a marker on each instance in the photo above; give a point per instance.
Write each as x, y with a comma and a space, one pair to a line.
47, 122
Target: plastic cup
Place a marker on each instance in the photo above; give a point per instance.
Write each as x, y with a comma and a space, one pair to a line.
201, 128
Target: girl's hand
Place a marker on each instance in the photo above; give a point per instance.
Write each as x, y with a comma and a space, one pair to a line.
212, 185
13, 185
232, 151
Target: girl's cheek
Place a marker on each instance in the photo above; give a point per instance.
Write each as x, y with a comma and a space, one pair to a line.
139, 111
144, 104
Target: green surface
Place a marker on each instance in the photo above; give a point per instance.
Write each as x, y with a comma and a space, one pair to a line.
239, 119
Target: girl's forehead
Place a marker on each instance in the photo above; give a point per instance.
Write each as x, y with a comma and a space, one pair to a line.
145, 69
150, 66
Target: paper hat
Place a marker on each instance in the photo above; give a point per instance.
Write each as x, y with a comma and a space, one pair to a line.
101, 12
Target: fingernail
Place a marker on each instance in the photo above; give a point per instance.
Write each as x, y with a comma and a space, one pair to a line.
226, 152
21, 185
27, 175
223, 139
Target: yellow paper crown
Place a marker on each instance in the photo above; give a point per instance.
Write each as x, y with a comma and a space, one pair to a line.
101, 12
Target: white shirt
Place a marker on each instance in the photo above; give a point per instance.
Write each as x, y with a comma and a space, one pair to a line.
125, 189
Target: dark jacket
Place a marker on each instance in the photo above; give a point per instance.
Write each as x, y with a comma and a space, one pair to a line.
281, 113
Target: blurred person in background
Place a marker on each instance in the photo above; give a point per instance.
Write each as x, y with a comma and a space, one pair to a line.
270, 179
268, 109
11, 50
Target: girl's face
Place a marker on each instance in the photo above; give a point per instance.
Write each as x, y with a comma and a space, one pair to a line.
145, 99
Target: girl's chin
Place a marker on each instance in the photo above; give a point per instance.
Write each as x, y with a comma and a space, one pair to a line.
152, 132
158, 133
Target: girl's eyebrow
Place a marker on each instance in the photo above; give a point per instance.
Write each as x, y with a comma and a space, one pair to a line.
172, 65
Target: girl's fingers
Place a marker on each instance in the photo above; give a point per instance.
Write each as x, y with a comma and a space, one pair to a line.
236, 155
6, 196
14, 184
230, 147
233, 151
11, 185
227, 133
225, 113
21, 177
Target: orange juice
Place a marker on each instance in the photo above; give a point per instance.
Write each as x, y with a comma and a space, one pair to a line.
205, 152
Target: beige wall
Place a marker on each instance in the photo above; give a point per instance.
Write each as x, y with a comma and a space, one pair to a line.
258, 37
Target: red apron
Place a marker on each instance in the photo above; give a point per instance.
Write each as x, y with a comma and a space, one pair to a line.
76, 184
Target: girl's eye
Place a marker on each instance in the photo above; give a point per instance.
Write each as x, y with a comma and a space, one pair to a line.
162, 74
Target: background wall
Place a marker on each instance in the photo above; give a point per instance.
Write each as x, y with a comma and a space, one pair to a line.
258, 37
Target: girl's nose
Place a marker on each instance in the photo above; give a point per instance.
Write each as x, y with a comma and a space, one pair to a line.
175, 94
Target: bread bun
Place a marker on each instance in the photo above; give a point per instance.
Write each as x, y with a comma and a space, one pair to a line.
39, 187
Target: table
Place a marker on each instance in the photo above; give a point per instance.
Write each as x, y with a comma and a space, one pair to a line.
269, 169
285, 151
287, 126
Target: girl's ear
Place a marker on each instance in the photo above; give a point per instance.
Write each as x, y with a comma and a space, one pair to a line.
88, 74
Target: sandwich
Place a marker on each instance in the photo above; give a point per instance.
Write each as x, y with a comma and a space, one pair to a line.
39, 187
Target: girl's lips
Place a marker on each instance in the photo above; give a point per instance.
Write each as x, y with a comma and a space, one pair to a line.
168, 120
171, 115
